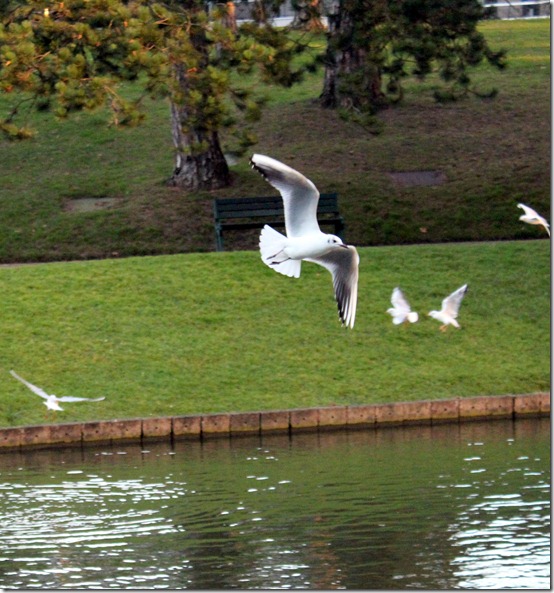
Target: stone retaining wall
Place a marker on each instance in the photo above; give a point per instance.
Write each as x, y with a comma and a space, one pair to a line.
279, 421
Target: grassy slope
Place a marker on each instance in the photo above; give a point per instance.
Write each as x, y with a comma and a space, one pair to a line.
210, 332
494, 154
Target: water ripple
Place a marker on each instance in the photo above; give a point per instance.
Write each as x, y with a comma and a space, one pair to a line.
390, 510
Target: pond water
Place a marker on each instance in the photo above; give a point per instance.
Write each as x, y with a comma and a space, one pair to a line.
448, 506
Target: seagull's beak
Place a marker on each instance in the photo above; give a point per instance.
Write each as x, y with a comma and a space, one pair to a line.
343, 245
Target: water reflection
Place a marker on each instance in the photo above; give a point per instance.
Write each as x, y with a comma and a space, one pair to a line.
451, 506
501, 535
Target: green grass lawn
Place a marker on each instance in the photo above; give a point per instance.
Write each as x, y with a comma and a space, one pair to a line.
197, 333
204, 332
494, 153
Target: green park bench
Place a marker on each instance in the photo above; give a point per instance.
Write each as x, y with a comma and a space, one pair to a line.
252, 213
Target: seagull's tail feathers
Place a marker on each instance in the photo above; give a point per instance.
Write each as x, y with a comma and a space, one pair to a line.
272, 245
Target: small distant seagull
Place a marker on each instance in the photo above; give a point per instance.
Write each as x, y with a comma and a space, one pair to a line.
450, 307
304, 239
531, 217
52, 401
401, 310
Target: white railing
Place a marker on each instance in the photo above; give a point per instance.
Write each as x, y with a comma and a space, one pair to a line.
506, 9
513, 4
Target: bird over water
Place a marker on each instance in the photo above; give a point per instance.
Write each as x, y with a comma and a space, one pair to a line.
304, 239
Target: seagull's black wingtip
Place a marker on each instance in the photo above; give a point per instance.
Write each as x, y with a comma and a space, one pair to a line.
257, 168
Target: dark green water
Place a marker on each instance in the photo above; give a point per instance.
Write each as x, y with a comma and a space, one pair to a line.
451, 506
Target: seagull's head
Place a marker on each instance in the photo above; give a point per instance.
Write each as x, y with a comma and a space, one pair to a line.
412, 317
333, 240
433, 314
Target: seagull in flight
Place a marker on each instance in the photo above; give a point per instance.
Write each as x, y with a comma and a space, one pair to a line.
450, 306
531, 217
400, 309
52, 402
304, 239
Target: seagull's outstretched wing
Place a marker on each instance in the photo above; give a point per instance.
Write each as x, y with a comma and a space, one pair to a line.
32, 387
300, 195
69, 398
401, 308
399, 301
451, 304
528, 211
343, 265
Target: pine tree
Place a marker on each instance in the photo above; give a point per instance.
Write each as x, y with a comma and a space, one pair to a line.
73, 55
374, 45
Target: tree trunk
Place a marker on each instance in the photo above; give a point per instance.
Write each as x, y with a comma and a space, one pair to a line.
199, 160
230, 20
351, 80
259, 12
307, 16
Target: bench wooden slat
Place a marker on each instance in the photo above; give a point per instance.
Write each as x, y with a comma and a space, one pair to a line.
271, 222
249, 207
233, 209
242, 213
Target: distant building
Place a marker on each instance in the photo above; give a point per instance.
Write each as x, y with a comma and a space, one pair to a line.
501, 9
505, 9
244, 11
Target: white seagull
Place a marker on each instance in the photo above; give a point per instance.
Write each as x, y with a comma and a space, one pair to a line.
304, 238
450, 306
531, 217
400, 309
52, 401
